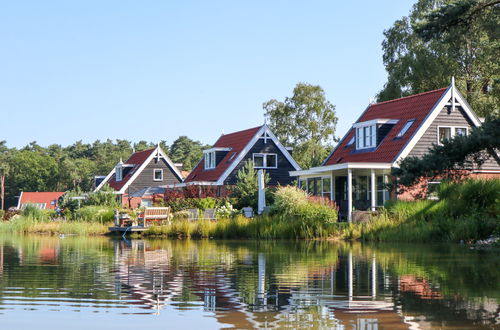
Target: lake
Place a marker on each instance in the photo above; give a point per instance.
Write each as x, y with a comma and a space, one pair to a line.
87, 283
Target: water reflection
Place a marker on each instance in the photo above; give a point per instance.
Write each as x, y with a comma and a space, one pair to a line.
253, 284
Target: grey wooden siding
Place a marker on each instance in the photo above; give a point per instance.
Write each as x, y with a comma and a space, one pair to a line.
456, 118
145, 178
277, 176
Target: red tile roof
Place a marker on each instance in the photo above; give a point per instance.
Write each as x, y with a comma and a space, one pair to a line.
137, 159
237, 142
415, 107
45, 197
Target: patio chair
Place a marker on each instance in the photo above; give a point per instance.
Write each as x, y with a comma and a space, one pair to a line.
209, 214
248, 212
192, 214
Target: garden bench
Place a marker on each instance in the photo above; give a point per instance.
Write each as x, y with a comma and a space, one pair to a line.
154, 214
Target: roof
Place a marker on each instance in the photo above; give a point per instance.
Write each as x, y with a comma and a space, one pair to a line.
137, 159
415, 107
40, 197
237, 141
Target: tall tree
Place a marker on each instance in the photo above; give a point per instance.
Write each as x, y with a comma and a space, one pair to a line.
444, 38
306, 121
186, 151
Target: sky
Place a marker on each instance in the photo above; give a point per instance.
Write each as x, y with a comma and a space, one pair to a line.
155, 70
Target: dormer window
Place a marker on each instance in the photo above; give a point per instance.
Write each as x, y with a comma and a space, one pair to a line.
119, 173
210, 160
366, 132
366, 137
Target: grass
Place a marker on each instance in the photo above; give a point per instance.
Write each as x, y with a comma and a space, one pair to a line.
29, 225
264, 227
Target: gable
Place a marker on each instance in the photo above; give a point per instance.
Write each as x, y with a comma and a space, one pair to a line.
146, 179
279, 175
445, 118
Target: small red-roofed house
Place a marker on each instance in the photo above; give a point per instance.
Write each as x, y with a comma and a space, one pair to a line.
45, 200
143, 169
356, 172
221, 163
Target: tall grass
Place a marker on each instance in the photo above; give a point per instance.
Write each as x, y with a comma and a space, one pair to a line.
466, 211
30, 225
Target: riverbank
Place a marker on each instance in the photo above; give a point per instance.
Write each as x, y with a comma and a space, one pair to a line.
28, 225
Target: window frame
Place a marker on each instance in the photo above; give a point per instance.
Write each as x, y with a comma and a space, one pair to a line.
119, 174
453, 132
156, 170
366, 141
264, 160
409, 123
209, 160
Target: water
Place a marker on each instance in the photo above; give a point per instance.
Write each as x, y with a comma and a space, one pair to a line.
101, 283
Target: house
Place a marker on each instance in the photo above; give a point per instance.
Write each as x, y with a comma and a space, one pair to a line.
355, 174
221, 163
45, 200
148, 168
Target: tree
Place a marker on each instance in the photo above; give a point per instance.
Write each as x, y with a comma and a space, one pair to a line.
460, 153
247, 187
445, 38
186, 151
306, 121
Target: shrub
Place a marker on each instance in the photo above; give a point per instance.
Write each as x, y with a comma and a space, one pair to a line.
95, 214
33, 212
2, 214
288, 199
225, 211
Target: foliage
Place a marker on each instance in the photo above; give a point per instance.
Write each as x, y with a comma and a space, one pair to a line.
93, 213
466, 211
225, 211
306, 121
2, 214
294, 202
104, 197
186, 151
458, 153
445, 38
36, 213
246, 190
28, 225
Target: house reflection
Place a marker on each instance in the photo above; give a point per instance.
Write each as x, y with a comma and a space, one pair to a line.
247, 292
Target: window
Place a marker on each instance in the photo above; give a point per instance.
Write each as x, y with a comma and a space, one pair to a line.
303, 184
265, 160
326, 188
158, 174
382, 191
119, 173
405, 128
366, 137
460, 131
447, 132
444, 133
210, 160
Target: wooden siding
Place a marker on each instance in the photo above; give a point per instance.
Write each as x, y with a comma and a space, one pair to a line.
145, 178
278, 175
456, 118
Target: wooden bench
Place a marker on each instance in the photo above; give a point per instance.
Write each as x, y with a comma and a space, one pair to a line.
156, 214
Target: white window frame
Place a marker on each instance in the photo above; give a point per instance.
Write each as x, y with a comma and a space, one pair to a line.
361, 138
209, 160
453, 132
405, 128
154, 174
119, 174
264, 165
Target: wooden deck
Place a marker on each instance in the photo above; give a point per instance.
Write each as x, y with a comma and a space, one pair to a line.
132, 229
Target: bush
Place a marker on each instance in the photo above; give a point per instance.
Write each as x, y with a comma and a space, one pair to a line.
95, 214
2, 213
33, 212
292, 201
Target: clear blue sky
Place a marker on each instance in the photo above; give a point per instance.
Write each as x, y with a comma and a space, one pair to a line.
154, 70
